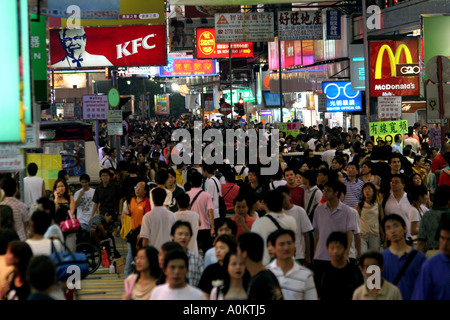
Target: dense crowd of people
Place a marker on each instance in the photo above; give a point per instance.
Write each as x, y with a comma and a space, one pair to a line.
339, 206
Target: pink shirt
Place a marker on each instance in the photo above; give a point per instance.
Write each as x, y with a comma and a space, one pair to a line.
201, 205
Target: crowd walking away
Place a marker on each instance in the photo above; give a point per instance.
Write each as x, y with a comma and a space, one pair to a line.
341, 217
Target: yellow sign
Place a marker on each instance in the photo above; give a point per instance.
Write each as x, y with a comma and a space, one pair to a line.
393, 59
132, 12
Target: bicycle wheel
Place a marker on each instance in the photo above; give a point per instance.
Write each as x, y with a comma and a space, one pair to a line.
93, 255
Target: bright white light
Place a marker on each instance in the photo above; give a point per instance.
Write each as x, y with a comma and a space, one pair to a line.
128, 82
175, 86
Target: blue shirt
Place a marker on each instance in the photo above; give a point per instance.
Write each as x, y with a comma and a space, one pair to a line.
354, 192
433, 282
397, 147
392, 266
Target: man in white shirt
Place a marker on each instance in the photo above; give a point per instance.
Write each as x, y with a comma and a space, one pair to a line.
184, 214
302, 243
40, 222
83, 201
397, 202
313, 194
156, 224
176, 288
213, 187
160, 179
33, 186
297, 282
411, 141
265, 225
328, 155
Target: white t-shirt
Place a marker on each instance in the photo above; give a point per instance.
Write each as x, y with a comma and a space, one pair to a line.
43, 246
156, 226
194, 219
352, 252
32, 189
303, 225
210, 187
415, 216
401, 208
84, 209
277, 183
164, 292
167, 201
264, 227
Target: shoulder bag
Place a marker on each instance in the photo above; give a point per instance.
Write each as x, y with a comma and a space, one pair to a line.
65, 262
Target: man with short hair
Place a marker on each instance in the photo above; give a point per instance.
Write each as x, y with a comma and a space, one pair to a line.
40, 222
434, 277
397, 202
107, 196
33, 186
263, 284
243, 221
213, 187
176, 268
399, 255
353, 184
41, 276
184, 214
313, 194
296, 281
274, 219
156, 224
328, 155
19, 208
395, 162
412, 141
297, 191
161, 177
84, 201
302, 243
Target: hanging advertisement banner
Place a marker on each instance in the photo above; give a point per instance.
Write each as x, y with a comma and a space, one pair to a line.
389, 107
207, 48
104, 47
182, 33
388, 127
162, 104
333, 25
244, 27
340, 97
188, 68
95, 107
108, 13
384, 56
39, 57
357, 67
300, 25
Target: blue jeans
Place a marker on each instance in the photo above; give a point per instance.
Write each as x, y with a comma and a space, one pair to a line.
130, 258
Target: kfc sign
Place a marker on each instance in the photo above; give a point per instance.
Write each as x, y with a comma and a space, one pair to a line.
393, 68
104, 47
207, 48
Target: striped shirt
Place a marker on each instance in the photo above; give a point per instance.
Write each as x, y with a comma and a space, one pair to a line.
195, 268
354, 192
20, 215
297, 283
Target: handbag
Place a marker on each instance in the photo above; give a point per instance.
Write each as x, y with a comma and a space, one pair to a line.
72, 224
65, 261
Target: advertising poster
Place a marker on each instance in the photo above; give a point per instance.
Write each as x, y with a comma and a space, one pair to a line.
207, 48
162, 105
300, 25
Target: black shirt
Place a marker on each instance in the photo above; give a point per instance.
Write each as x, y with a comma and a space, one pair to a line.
264, 286
108, 197
211, 273
339, 284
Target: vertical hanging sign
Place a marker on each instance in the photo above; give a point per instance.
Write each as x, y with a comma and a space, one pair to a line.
333, 25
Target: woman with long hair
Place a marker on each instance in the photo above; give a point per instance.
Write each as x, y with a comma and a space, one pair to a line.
417, 181
234, 286
367, 176
371, 213
63, 203
16, 287
139, 285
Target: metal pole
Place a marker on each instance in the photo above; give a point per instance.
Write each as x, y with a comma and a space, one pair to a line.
280, 77
366, 71
231, 81
202, 105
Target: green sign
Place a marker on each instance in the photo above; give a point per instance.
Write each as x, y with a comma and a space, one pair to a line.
39, 57
388, 127
435, 42
113, 97
247, 95
26, 63
11, 108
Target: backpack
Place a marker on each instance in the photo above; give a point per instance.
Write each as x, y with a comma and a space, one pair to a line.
239, 177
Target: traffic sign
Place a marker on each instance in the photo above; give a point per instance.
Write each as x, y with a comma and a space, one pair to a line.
113, 97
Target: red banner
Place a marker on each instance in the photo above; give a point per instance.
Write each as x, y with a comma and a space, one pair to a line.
207, 48
384, 56
112, 46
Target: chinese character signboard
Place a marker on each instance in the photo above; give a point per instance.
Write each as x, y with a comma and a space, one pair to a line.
341, 97
162, 105
435, 138
387, 130
333, 25
105, 47
244, 27
357, 68
389, 107
300, 25
246, 94
207, 48
384, 56
39, 57
95, 107
188, 68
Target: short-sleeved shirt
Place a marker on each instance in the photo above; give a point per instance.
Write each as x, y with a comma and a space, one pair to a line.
231, 190
297, 194
156, 226
164, 292
202, 204
438, 163
400, 208
392, 266
429, 225
213, 187
84, 209
354, 192
248, 222
297, 283
138, 210
341, 219
20, 215
193, 218
387, 292
433, 282
339, 283
108, 197
303, 226
264, 286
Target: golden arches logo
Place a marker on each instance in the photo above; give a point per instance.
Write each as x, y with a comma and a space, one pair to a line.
393, 59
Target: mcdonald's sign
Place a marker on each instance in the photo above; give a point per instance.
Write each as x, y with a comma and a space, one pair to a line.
384, 57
